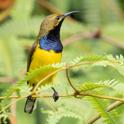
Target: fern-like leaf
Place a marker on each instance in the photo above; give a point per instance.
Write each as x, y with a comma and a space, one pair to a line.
43, 69
102, 84
55, 116
116, 62
93, 58
100, 107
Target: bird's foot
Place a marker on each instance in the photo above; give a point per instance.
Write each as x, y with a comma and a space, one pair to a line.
55, 94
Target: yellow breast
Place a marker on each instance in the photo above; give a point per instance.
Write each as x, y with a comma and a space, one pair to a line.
40, 58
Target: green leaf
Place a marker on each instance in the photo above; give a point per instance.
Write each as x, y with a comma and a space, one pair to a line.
116, 62
55, 116
43, 69
91, 58
101, 84
100, 107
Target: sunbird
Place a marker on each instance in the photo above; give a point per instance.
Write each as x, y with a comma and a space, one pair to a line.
47, 49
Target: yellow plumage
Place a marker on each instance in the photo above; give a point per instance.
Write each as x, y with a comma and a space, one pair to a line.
40, 58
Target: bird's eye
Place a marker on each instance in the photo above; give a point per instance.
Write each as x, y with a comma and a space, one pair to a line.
58, 17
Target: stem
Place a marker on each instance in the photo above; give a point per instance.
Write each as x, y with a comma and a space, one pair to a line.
108, 109
80, 94
120, 101
103, 97
69, 81
7, 106
45, 78
60, 69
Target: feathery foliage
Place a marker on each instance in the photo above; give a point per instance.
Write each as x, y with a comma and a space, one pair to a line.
98, 71
90, 87
100, 107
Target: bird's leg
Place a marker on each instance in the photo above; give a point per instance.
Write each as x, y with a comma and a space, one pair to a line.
55, 94
34, 92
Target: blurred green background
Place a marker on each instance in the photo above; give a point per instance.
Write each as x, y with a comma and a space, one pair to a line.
97, 29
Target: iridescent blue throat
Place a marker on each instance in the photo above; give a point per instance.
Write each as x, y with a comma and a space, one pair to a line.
52, 41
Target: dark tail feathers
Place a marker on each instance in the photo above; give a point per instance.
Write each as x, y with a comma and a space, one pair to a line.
29, 105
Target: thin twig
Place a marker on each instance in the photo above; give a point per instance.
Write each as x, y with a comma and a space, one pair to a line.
91, 35
45, 78
121, 101
12, 80
108, 109
36, 96
7, 106
18, 98
113, 41
111, 107
77, 37
70, 83
102, 97
58, 70
81, 94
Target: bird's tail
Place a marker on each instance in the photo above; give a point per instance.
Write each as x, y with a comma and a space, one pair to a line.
29, 105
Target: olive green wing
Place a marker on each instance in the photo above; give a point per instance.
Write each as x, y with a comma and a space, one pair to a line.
31, 54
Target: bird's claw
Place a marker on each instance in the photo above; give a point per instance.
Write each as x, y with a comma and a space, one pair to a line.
55, 95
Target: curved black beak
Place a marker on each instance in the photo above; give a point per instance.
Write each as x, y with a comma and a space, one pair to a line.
70, 13
63, 17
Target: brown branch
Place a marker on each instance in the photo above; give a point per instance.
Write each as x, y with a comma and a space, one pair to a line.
77, 37
108, 109
113, 41
90, 35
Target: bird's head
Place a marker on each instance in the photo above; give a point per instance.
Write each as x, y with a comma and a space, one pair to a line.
53, 22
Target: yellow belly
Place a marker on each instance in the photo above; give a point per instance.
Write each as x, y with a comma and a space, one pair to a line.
40, 58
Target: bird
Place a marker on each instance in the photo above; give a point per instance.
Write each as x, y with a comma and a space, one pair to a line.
47, 49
